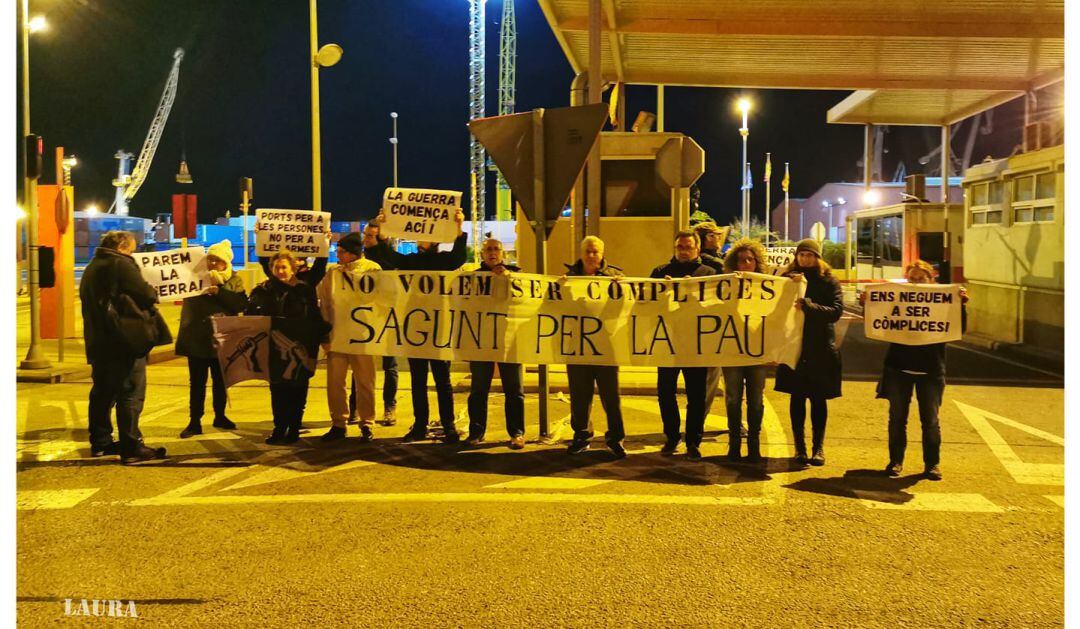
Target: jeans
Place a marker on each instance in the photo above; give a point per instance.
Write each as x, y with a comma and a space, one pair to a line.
121, 383
606, 378
197, 370
440, 371
287, 401
389, 392
482, 373
667, 383
754, 379
896, 386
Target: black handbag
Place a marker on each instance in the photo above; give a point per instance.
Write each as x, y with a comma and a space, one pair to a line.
137, 330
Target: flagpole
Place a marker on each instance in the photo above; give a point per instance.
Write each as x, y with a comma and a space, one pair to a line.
768, 189
787, 210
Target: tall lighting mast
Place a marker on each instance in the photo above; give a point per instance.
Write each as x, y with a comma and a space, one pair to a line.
507, 89
476, 110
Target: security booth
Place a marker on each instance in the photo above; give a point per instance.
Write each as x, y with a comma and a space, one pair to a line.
645, 181
891, 237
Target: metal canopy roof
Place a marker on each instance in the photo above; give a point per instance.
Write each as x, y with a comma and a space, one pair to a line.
912, 61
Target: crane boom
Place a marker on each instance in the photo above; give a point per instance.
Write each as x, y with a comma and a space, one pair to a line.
130, 185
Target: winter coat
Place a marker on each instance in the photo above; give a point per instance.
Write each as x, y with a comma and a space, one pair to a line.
817, 373
430, 260
605, 270
675, 269
927, 359
110, 271
714, 261
196, 335
311, 275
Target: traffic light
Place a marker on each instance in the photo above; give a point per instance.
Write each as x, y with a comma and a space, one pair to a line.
46, 267
34, 147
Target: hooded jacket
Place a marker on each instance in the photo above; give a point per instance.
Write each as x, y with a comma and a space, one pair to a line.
109, 271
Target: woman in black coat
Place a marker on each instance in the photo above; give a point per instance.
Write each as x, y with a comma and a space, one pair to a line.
294, 300
817, 375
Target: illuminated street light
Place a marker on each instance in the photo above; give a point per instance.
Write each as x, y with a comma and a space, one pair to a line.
871, 198
744, 131
92, 210
37, 24
20, 213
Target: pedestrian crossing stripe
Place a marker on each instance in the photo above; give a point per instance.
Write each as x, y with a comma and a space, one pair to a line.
962, 503
549, 482
1058, 500
1025, 473
31, 500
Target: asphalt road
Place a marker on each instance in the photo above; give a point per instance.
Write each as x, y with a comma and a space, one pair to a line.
232, 532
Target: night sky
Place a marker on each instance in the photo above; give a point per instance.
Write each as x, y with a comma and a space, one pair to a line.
243, 104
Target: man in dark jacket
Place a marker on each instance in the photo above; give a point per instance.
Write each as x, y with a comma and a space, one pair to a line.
686, 263
428, 258
493, 261
118, 374
581, 378
711, 239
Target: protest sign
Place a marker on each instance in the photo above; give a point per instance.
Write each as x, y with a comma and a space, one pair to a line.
913, 314
273, 349
301, 232
730, 319
175, 274
779, 257
425, 215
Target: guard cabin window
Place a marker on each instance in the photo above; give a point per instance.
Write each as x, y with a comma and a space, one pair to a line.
1033, 198
986, 207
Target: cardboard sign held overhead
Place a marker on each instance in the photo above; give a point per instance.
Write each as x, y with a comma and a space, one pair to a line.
568, 133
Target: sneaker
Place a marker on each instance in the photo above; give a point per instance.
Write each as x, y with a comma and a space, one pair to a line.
414, 435
366, 435
388, 418
693, 453
801, 459
517, 443
113, 449
577, 447
617, 449
933, 472
191, 431
276, 438
334, 434
224, 423
451, 438
353, 419
733, 455
142, 454
818, 458
670, 447
894, 469
474, 440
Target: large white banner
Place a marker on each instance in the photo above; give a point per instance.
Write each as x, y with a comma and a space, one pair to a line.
731, 319
913, 314
175, 274
425, 215
302, 232
779, 257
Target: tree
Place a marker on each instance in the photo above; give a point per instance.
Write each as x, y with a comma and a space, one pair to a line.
757, 231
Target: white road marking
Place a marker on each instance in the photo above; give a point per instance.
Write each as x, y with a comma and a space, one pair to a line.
1058, 500
52, 498
278, 474
549, 482
956, 503
1026, 473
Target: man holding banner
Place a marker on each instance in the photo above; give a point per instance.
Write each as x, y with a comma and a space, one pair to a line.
428, 258
918, 318
482, 372
351, 265
686, 263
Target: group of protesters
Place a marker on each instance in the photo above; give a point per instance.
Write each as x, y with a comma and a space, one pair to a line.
114, 297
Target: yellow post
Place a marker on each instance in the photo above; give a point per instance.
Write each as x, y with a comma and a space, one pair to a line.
316, 149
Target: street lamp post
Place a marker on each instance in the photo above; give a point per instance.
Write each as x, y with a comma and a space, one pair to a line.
323, 57
35, 357
840, 202
744, 131
829, 206
394, 142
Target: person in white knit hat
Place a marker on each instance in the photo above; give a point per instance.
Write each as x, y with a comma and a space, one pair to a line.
195, 339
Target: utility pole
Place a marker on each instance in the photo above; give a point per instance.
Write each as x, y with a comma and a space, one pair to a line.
35, 358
